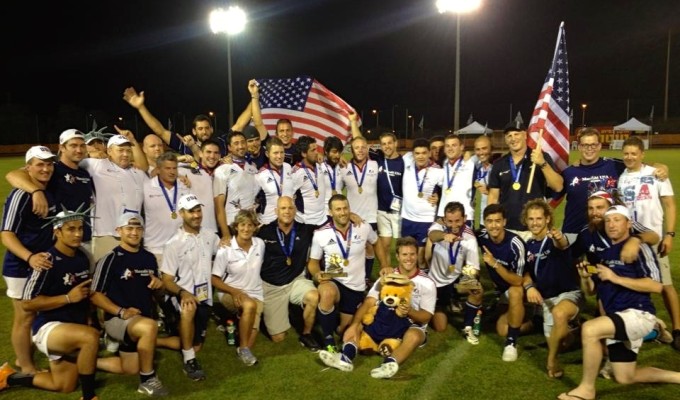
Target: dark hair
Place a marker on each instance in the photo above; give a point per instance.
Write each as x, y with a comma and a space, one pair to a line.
336, 197
388, 134
420, 142
494, 209
454, 206
406, 241
453, 136
283, 121
588, 132
332, 142
211, 142
634, 141
304, 143
201, 118
437, 138
234, 134
273, 141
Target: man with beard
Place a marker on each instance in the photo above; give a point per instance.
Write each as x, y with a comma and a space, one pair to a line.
307, 185
330, 169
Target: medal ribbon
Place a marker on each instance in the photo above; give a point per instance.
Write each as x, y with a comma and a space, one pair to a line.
331, 177
278, 187
316, 176
453, 256
345, 253
420, 183
482, 173
173, 205
514, 170
288, 251
449, 181
538, 256
363, 173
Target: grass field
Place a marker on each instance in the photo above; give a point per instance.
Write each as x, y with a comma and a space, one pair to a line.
447, 368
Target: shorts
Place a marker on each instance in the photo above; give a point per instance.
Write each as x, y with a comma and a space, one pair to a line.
389, 224
200, 320
276, 300
40, 340
417, 230
444, 295
15, 287
665, 269
228, 302
575, 296
350, 300
631, 327
116, 328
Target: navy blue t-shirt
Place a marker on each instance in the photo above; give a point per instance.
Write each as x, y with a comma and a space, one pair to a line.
274, 270
72, 188
593, 243
550, 268
390, 170
510, 252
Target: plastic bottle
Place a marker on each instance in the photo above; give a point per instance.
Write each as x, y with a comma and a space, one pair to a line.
231, 333
477, 323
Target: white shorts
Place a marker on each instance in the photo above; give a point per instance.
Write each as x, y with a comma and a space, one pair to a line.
389, 224
40, 340
15, 287
575, 296
638, 324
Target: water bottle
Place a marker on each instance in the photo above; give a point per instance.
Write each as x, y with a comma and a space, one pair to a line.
477, 323
231, 333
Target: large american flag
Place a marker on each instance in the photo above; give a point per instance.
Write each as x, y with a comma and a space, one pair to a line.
552, 108
312, 108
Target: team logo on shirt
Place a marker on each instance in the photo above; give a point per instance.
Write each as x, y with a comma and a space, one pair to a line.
70, 178
127, 274
69, 279
575, 181
330, 242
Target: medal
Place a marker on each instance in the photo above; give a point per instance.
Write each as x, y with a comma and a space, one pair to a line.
448, 191
361, 190
335, 192
287, 250
173, 215
289, 262
314, 181
172, 205
316, 193
452, 268
420, 194
516, 186
343, 251
360, 181
516, 172
345, 262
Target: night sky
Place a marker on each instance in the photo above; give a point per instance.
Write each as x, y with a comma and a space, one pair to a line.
373, 53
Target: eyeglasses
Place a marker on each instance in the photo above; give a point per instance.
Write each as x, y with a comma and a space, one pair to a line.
590, 146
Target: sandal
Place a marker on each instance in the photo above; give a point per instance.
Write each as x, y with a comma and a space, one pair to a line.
555, 373
572, 396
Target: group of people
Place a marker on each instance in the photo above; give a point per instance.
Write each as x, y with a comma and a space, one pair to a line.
110, 235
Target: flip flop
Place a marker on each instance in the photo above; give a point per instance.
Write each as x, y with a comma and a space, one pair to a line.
555, 373
573, 396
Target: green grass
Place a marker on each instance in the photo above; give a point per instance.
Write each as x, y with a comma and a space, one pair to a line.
447, 368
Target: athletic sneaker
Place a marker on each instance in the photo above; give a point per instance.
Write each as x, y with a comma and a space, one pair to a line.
607, 371
308, 341
5, 372
664, 336
335, 360
153, 387
246, 356
385, 370
111, 344
193, 370
471, 338
510, 353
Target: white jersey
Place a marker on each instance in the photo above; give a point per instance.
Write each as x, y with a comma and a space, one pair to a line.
160, 226
423, 297
117, 190
482, 176
416, 208
188, 257
274, 184
332, 180
312, 186
237, 182
202, 187
448, 259
642, 193
364, 204
457, 186
325, 244
240, 269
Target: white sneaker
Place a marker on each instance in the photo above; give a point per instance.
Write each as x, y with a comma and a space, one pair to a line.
334, 360
385, 370
607, 371
510, 353
111, 344
471, 338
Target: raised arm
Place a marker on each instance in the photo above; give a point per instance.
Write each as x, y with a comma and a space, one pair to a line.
255, 110
140, 161
136, 100
354, 124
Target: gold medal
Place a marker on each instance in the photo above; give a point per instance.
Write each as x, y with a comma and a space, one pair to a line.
289, 262
361, 190
346, 262
316, 193
448, 191
452, 268
516, 186
421, 194
335, 192
173, 215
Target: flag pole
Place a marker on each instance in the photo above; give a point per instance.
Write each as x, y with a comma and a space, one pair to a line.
533, 165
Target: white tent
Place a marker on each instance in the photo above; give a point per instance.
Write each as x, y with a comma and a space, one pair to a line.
475, 128
633, 125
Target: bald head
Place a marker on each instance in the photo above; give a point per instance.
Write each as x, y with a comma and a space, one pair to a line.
152, 146
285, 210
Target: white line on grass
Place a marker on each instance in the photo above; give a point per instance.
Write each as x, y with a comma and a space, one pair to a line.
442, 373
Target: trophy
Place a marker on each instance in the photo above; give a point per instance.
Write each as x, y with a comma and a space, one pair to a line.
334, 268
469, 280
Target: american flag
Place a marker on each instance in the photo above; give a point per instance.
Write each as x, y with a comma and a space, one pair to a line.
552, 108
312, 108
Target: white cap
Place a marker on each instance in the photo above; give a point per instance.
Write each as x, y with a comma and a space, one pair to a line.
603, 195
70, 134
40, 152
117, 140
125, 218
188, 201
618, 210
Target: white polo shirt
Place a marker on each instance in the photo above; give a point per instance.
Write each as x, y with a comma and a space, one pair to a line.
274, 184
415, 208
160, 226
642, 192
117, 189
237, 182
188, 257
325, 244
460, 175
448, 259
313, 210
331, 175
202, 187
364, 204
240, 269
423, 297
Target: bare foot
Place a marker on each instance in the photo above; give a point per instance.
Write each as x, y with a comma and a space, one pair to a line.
574, 396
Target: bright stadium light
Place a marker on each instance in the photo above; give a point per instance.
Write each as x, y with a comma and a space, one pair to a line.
458, 6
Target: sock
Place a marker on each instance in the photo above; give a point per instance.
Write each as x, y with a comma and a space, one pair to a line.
469, 314
369, 267
349, 351
513, 334
145, 376
652, 335
389, 359
188, 354
87, 386
20, 379
327, 320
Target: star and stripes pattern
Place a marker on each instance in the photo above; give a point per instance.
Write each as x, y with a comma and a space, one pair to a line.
312, 108
552, 108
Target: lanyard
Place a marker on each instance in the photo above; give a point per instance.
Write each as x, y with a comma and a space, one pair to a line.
363, 175
288, 251
313, 181
449, 180
389, 178
515, 171
453, 256
482, 173
345, 253
420, 183
331, 177
538, 256
173, 205
278, 187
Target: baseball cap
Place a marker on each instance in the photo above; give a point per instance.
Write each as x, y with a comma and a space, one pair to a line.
618, 210
40, 152
187, 202
603, 195
514, 126
125, 218
250, 132
117, 140
70, 134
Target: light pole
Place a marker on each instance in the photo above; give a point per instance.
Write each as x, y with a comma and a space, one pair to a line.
583, 114
377, 117
413, 123
393, 107
231, 22
458, 7
213, 116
